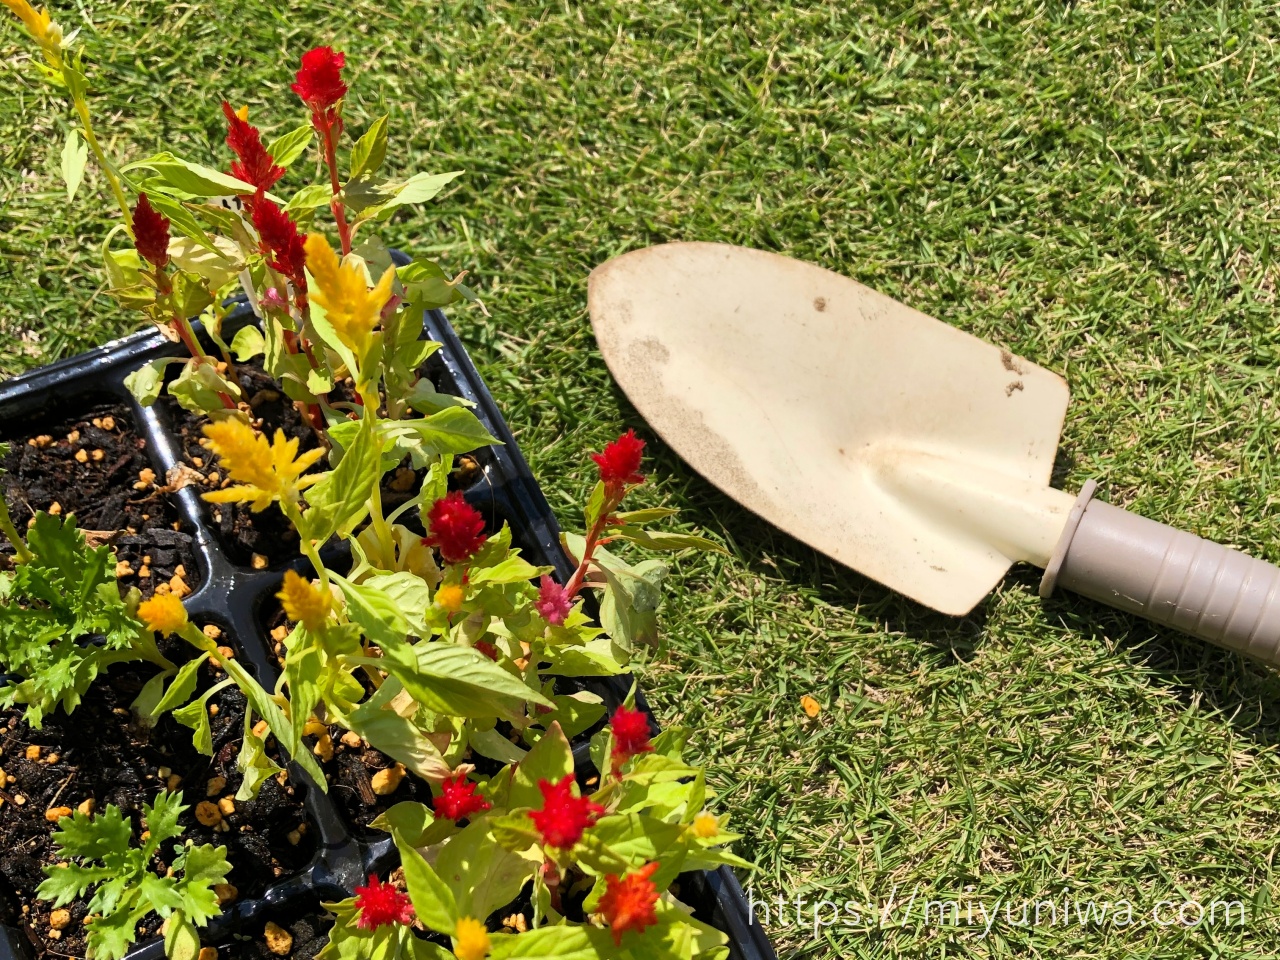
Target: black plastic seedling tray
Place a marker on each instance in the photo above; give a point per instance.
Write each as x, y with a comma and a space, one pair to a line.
233, 597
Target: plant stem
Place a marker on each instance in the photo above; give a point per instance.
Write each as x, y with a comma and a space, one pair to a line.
82, 110
369, 398
330, 134
20, 552
593, 540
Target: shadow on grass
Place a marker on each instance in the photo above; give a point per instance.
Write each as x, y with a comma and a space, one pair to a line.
1244, 692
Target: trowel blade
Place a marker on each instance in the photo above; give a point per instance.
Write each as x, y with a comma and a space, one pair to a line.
799, 392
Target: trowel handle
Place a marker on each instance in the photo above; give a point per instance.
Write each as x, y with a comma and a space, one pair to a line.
1169, 576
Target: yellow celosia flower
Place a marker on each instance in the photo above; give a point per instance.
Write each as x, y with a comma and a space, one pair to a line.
45, 32
340, 289
470, 940
304, 601
266, 471
449, 597
706, 825
163, 613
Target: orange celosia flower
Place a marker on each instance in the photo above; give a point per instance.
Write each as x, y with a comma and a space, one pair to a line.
266, 471
706, 825
470, 940
163, 613
343, 293
629, 903
450, 596
305, 602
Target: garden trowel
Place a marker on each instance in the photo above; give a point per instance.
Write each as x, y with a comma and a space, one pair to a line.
912, 452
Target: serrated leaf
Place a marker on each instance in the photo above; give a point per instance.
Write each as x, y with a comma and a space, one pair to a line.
75, 155
161, 820
204, 867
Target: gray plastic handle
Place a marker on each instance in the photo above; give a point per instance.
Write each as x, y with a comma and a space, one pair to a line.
1169, 576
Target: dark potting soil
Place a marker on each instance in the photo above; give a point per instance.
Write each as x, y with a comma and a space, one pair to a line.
309, 931
242, 533
94, 465
101, 753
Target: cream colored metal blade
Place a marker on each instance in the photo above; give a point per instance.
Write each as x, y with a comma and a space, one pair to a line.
909, 450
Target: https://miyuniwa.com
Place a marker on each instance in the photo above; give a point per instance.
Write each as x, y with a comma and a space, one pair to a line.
916, 907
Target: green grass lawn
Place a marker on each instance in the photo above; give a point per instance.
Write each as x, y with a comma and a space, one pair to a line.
1091, 185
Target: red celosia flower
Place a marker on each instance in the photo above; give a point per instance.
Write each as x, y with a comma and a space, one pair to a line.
628, 903
554, 602
630, 730
254, 165
150, 233
488, 649
455, 528
281, 243
563, 817
381, 903
458, 799
319, 81
620, 462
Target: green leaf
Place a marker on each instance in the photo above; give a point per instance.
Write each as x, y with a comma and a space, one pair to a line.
658, 540
147, 381
453, 430
492, 744
111, 934
433, 902
396, 735
413, 821
556, 943
199, 386
417, 189
481, 874
638, 518
248, 342
550, 759
427, 286
633, 837
203, 868
290, 146
254, 764
92, 838
181, 220
181, 942
311, 197
161, 820
512, 569
575, 713
191, 178
340, 500
463, 682
75, 154
179, 692
370, 150
217, 261
196, 716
